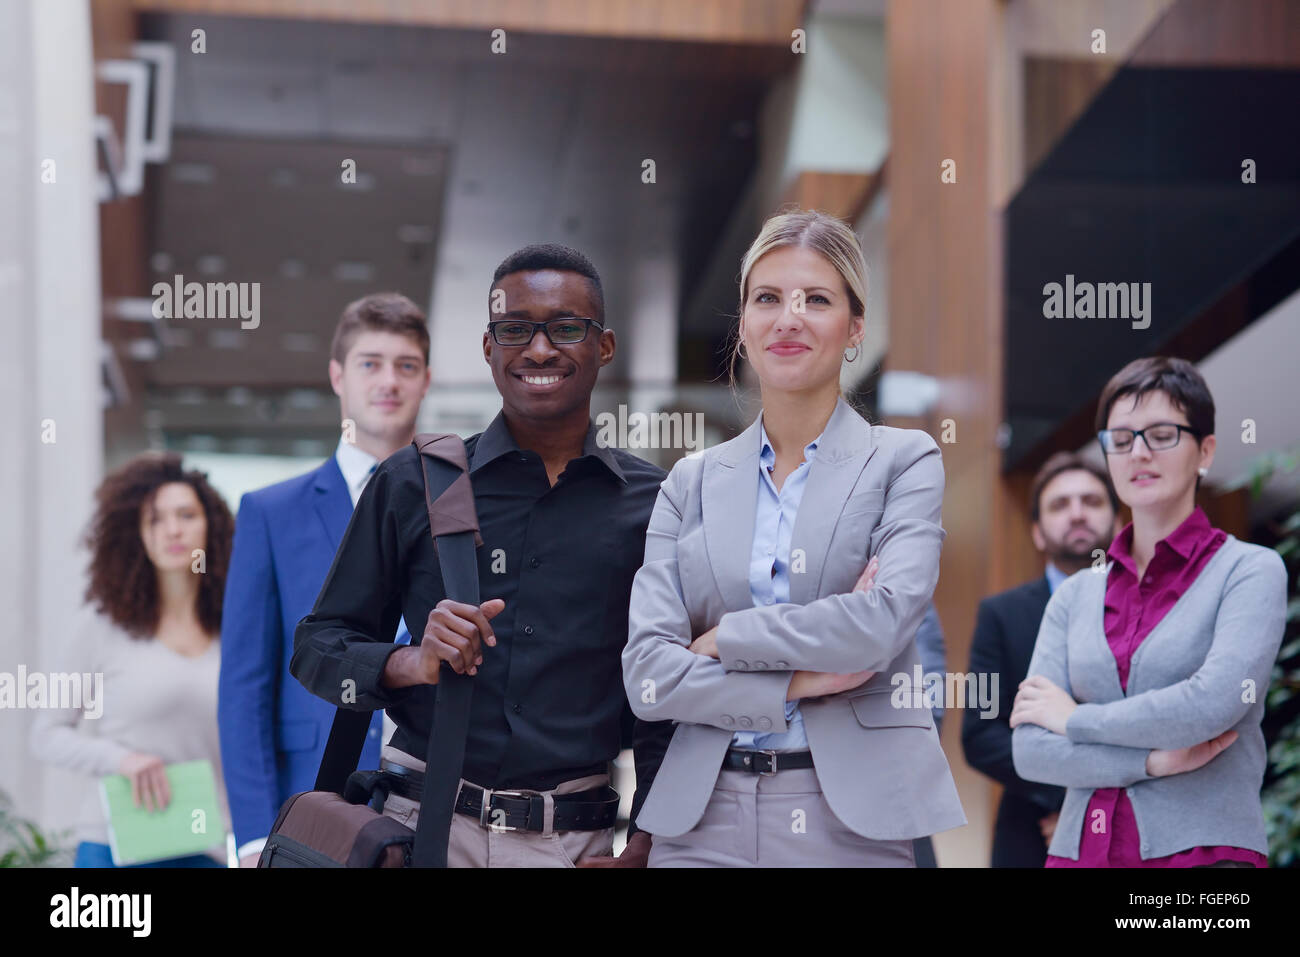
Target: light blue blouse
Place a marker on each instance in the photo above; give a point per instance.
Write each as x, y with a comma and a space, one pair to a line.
769, 572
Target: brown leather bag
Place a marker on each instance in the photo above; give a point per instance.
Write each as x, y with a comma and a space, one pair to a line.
333, 826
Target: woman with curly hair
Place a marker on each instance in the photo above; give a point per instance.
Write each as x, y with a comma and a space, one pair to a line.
159, 543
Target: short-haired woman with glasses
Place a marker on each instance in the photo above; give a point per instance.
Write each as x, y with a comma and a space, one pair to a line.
1147, 684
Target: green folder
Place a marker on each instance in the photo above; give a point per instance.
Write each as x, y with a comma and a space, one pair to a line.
190, 824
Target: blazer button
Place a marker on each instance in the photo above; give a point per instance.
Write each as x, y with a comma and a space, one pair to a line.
528, 629
783, 666
746, 721
728, 720
765, 723
760, 665
742, 665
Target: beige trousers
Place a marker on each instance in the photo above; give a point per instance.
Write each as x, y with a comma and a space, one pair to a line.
473, 845
776, 820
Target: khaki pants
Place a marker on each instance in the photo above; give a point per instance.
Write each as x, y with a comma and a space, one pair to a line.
473, 845
777, 820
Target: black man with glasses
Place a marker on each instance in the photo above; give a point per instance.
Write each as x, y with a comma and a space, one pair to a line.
563, 523
1146, 688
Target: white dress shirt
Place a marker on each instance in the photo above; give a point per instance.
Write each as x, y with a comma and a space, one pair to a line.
356, 465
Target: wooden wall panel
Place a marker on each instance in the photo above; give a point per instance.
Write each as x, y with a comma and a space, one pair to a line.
845, 195
719, 21
945, 321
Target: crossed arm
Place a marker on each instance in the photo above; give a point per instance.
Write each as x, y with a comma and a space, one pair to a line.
1040, 754
1177, 728
664, 679
846, 637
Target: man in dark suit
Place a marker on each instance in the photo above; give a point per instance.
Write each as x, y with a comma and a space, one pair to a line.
1073, 509
273, 731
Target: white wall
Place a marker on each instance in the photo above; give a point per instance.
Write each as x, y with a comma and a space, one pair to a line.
49, 293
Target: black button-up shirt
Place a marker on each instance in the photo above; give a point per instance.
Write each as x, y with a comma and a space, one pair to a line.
548, 703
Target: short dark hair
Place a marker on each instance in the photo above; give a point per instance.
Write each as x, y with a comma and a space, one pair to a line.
1176, 378
380, 312
560, 258
1066, 462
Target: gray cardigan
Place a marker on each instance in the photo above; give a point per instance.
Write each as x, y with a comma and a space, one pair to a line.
1202, 670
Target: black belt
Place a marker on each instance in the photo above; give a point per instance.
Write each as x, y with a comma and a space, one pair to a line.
512, 810
766, 762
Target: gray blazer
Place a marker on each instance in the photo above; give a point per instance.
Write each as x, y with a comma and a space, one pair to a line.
1204, 669
871, 490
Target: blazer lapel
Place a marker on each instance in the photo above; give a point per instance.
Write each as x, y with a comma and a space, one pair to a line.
332, 502
728, 497
842, 454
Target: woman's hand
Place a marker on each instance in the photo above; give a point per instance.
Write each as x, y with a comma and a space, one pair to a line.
707, 643
815, 684
1041, 702
148, 774
868, 576
807, 684
1164, 763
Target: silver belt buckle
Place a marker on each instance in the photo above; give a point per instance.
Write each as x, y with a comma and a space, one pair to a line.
485, 811
772, 757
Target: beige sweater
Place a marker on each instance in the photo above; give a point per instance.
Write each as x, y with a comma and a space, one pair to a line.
154, 700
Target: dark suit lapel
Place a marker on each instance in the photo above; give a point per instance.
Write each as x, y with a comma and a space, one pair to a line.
1030, 619
1042, 594
842, 454
728, 498
332, 503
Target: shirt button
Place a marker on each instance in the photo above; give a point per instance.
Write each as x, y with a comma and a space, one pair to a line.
528, 629
534, 562
742, 665
728, 720
783, 666
746, 721
767, 601
761, 665
765, 723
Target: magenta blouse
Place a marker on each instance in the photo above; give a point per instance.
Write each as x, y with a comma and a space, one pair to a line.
1133, 609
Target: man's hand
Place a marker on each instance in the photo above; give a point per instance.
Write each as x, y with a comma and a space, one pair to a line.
455, 633
1043, 703
1164, 763
149, 786
1047, 826
635, 854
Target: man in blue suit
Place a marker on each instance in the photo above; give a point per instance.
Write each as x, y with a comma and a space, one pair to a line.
273, 731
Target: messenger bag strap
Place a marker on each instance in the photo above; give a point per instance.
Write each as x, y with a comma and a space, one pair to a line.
453, 522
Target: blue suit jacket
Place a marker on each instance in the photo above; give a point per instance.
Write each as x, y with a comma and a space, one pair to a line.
273, 731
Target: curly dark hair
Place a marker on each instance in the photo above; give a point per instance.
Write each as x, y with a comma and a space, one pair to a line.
123, 584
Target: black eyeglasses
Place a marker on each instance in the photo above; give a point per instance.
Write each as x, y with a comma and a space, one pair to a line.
561, 332
1158, 437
